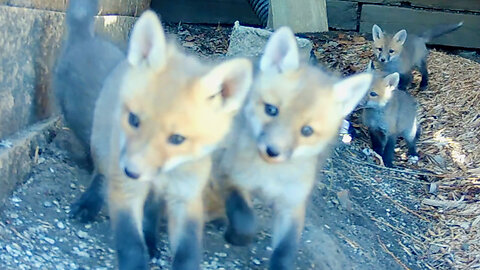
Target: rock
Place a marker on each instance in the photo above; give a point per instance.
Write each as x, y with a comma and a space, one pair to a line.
82, 234
60, 225
250, 42
49, 240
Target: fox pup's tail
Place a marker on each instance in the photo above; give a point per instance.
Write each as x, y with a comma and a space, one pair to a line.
440, 30
80, 18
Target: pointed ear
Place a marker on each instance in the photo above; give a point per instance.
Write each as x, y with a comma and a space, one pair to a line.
350, 91
400, 36
391, 81
281, 52
228, 82
376, 32
370, 66
147, 42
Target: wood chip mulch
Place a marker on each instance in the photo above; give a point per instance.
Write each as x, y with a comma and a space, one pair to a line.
449, 113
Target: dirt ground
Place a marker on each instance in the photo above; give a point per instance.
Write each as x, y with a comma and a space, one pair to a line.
361, 216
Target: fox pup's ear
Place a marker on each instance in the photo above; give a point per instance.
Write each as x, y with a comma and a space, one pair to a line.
351, 90
370, 66
147, 42
228, 84
377, 32
281, 52
391, 81
400, 36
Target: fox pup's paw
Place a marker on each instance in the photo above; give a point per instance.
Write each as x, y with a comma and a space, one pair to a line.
237, 239
87, 207
413, 159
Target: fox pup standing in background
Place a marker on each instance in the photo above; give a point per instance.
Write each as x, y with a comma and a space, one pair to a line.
158, 118
84, 64
82, 67
389, 114
292, 114
400, 54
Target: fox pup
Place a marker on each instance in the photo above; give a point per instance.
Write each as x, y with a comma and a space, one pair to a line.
291, 116
389, 114
400, 54
158, 118
83, 65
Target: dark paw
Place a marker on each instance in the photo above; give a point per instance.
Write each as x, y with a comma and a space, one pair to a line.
423, 86
86, 208
188, 254
237, 239
153, 252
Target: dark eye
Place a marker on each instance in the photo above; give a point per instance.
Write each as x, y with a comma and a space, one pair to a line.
306, 131
271, 110
133, 120
176, 139
373, 94
391, 51
379, 49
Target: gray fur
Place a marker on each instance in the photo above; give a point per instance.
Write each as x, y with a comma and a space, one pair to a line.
83, 65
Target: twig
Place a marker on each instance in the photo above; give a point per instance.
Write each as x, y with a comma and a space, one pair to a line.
391, 254
414, 238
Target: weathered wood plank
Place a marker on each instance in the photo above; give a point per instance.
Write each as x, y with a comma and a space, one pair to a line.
466, 5
300, 15
342, 14
108, 7
393, 19
205, 11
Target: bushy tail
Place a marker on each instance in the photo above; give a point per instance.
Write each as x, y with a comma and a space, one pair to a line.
80, 18
440, 30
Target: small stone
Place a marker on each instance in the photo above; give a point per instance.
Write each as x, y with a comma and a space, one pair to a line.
47, 204
88, 226
13, 215
256, 262
49, 240
16, 199
82, 234
465, 247
60, 225
221, 254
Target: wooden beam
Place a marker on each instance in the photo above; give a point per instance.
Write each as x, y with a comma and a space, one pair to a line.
301, 15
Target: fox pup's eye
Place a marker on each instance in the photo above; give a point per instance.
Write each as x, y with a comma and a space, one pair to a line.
306, 131
271, 110
379, 49
176, 139
133, 120
373, 94
391, 51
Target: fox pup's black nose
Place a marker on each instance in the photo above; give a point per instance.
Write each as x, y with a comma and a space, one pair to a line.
382, 59
272, 152
131, 174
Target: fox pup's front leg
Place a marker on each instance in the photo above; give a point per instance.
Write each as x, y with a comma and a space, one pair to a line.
405, 80
126, 204
185, 226
241, 218
379, 139
152, 212
87, 207
424, 71
287, 229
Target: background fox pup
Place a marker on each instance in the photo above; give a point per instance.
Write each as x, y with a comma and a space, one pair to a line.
159, 116
389, 114
291, 116
399, 53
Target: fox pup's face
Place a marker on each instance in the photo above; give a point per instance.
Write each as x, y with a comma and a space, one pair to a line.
174, 109
295, 111
381, 90
385, 47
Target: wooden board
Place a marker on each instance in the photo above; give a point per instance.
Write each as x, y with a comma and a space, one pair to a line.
107, 7
206, 11
464, 5
414, 21
342, 15
300, 15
